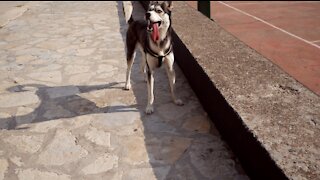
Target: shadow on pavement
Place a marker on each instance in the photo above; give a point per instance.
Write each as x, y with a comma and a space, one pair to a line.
60, 102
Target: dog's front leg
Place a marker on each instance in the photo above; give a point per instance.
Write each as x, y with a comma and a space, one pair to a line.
150, 83
143, 66
130, 58
128, 74
172, 78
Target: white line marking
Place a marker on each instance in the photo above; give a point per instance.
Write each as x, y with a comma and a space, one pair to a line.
271, 2
308, 42
315, 41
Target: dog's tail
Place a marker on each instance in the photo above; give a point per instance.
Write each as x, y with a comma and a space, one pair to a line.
127, 9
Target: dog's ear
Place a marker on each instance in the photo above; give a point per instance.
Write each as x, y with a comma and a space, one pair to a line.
153, 2
167, 5
170, 5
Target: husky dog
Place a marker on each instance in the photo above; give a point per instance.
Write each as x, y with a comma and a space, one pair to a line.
153, 36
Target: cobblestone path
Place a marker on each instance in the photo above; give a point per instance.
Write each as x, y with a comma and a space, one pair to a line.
64, 115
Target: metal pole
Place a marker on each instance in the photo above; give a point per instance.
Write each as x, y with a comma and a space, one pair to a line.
204, 8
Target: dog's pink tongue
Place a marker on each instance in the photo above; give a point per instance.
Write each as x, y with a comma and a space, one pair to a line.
155, 33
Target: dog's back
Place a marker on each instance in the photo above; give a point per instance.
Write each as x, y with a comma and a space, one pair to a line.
127, 10
136, 30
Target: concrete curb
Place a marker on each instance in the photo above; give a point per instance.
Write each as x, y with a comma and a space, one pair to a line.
263, 113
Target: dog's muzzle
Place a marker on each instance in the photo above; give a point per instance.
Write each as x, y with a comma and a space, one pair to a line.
152, 24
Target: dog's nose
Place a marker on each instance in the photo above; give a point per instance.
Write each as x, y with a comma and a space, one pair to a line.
148, 15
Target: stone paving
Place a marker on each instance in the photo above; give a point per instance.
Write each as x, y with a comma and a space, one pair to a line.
64, 115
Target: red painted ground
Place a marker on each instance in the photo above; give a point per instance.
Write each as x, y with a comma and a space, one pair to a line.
298, 57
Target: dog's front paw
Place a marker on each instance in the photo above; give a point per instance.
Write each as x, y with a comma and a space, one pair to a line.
145, 79
149, 109
179, 102
127, 87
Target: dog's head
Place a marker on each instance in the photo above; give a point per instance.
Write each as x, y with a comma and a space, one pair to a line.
158, 17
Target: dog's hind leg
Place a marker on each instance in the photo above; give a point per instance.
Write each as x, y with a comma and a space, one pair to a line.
172, 78
150, 83
130, 58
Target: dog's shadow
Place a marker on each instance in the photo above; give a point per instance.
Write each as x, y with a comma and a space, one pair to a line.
60, 102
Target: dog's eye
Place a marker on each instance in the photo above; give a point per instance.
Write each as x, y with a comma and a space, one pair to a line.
158, 11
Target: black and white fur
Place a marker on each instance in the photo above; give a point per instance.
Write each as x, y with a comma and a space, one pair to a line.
154, 54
